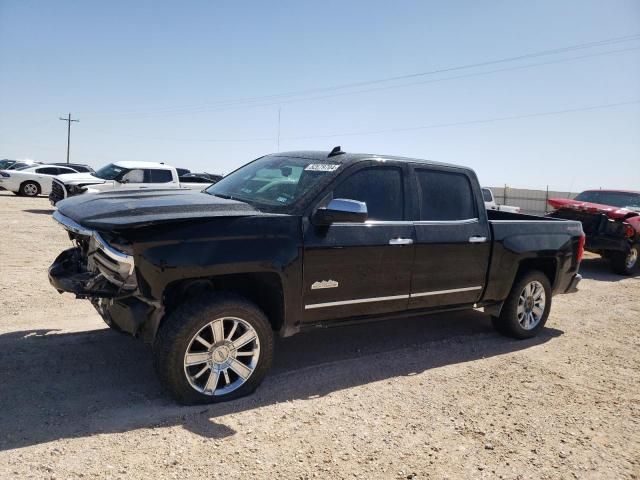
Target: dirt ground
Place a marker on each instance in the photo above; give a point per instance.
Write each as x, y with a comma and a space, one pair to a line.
437, 397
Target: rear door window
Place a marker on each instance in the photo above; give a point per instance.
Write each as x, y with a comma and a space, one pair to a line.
48, 170
380, 188
157, 176
445, 196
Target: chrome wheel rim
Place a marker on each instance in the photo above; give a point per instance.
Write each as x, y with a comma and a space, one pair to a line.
30, 189
221, 356
531, 305
632, 258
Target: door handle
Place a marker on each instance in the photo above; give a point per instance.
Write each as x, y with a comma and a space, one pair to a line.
400, 241
477, 239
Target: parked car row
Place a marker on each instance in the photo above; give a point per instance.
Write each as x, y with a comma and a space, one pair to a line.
31, 181
63, 180
126, 176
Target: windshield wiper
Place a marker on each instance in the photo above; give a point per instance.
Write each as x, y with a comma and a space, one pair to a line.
221, 195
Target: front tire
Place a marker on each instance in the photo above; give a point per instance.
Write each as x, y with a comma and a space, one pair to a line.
213, 349
30, 189
526, 309
625, 263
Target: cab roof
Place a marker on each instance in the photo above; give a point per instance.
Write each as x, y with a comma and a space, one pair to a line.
350, 158
142, 165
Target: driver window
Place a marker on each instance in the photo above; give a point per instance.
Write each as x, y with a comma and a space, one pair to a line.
380, 188
133, 176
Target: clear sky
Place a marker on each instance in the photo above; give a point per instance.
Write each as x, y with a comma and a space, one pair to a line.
199, 84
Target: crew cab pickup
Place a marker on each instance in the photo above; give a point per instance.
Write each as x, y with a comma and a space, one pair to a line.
298, 240
611, 222
121, 176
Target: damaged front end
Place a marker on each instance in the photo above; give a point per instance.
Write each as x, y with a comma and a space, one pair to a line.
97, 270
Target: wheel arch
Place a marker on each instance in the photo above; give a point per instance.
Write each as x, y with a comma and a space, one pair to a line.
547, 265
265, 289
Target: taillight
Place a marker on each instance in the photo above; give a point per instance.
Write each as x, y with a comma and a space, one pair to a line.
581, 247
629, 231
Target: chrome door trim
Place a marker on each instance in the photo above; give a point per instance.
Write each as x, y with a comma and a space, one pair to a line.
477, 239
358, 300
466, 221
375, 223
444, 292
393, 297
401, 241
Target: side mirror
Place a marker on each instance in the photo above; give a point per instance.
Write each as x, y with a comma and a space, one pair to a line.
341, 210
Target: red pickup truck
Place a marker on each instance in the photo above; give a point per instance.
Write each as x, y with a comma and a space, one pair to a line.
611, 221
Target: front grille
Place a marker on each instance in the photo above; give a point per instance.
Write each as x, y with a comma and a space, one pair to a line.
58, 191
115, 266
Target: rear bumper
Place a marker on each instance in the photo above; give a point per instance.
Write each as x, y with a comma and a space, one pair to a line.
597, 243
573, 285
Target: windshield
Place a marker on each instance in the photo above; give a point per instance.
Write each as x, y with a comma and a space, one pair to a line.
110, 172
6, 163
273, 182
615, 199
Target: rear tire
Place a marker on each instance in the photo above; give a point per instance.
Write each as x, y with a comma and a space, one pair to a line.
625, 263
30, 189
526, 309
201, 354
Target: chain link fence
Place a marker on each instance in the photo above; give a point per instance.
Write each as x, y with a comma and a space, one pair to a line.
533, 202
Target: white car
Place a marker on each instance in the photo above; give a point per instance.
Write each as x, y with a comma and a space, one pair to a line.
490, 203
31, 181
120, 176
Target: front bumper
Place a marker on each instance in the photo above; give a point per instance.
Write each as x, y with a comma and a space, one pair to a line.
66, 274
125, 310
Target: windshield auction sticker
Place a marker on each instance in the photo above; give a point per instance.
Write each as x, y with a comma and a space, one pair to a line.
322, 167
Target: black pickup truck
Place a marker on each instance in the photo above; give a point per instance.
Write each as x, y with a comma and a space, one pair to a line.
297, 240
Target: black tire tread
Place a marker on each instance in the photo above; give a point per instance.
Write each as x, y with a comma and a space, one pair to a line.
507, 323
618, 262
175, 331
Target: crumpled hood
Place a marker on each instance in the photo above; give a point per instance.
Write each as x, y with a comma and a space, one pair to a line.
80, 179
615, 213
135, 208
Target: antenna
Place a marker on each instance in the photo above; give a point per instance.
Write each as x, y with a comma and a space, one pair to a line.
336, 151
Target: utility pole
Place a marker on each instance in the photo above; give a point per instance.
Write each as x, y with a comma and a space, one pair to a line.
278, 129
68, 120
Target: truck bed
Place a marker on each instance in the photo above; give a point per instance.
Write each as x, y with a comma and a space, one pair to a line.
519, 236
500, 215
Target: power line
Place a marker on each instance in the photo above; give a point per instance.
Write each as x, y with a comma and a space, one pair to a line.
251, 100
395, 130
469, 122
389, 87
68, 120
421, 82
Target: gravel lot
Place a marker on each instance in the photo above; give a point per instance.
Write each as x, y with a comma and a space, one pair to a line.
437, 397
